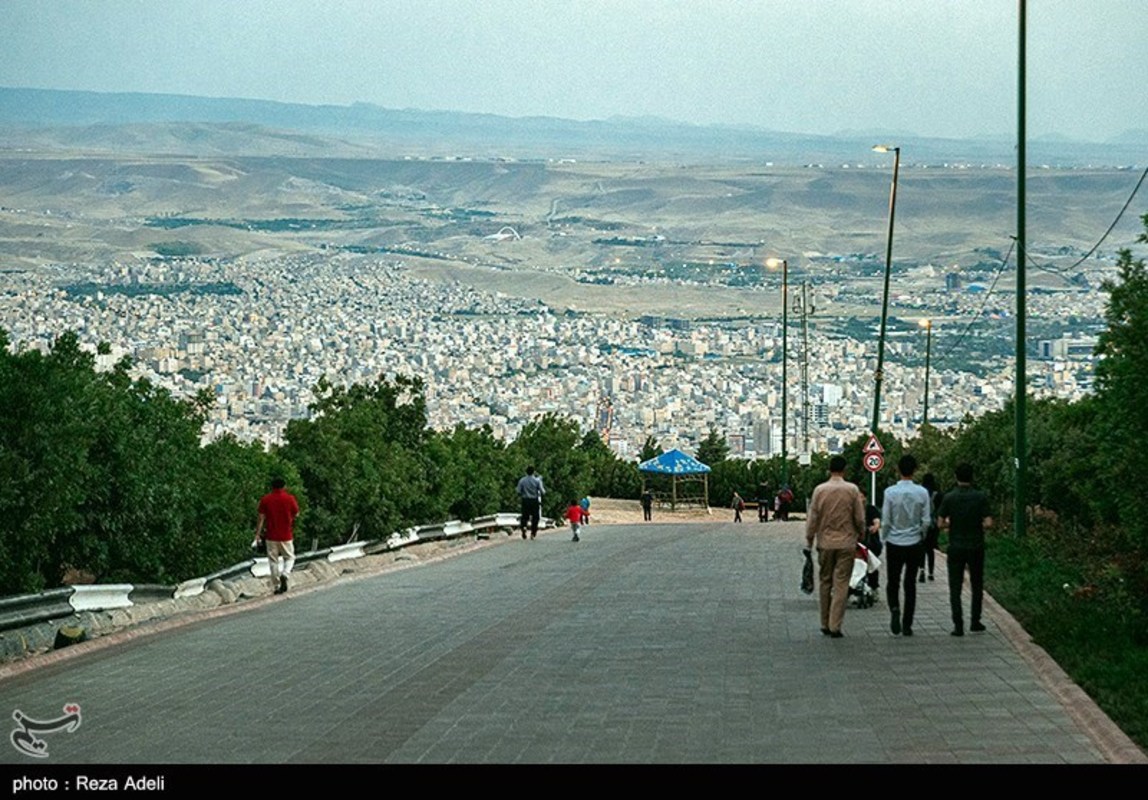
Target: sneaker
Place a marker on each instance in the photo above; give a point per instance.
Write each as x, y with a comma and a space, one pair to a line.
836, 635
826, 632
523, 533
921, 577
956, 632
575, 539
895, 621
907, 632
282, 584
977, 627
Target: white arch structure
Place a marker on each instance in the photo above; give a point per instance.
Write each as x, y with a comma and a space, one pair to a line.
504, 233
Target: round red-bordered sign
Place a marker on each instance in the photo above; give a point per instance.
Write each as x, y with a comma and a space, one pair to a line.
873, 462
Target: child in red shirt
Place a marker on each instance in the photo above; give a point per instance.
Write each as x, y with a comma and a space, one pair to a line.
575, 515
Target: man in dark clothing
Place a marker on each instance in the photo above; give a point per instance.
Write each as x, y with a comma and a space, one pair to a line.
647, 505
872, 540
783, 502
530, 490
277, 512
964, 512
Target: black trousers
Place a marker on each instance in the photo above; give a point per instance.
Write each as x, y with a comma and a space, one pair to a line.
931, 541
903, 561
531, 512
959, 559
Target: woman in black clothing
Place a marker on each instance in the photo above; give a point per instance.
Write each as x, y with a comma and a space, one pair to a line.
929, 482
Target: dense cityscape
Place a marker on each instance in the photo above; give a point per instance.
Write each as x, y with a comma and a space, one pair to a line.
260, 332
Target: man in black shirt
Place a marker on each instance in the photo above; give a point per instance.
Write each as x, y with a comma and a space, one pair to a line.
964, 513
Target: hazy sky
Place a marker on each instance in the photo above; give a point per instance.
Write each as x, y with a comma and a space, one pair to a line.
931, 67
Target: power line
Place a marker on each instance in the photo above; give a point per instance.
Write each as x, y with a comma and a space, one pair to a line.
1061, 271
1086, 256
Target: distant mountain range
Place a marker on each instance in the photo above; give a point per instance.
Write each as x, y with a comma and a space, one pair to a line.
73, 119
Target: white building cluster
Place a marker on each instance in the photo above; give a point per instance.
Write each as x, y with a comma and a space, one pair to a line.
260, 333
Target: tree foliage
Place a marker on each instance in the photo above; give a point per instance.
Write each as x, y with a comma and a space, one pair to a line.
549, 443
1121, 377
363, 460
105, 474
713, 449
650, 449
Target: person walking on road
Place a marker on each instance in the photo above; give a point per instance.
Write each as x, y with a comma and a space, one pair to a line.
905, 520
576, 515
964, 512
738, 505
276, 526
934, 532
836, 521
647, 505
530, 490
763, 503
782, 503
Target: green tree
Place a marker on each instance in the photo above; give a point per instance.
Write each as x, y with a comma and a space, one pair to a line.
106, 475
713, 449
45, 432
650, 449
231, 477
471, 472
1121, 373
363, 460
550, 443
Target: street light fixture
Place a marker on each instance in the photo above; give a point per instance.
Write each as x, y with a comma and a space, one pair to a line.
774, 263
879, 375
927, 324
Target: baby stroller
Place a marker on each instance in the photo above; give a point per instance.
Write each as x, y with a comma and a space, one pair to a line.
864, 563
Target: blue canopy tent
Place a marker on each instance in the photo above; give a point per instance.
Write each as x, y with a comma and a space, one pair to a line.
683, 472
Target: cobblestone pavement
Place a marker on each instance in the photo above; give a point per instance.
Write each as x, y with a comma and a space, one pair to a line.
665, 643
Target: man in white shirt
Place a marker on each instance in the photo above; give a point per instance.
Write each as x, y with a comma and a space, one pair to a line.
905, 520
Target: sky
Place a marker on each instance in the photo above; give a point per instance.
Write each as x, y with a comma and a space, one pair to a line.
944, 68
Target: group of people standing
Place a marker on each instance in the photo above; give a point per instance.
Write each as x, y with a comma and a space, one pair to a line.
908, 526
781, 503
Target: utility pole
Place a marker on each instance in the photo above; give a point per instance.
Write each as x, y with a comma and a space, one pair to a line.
1020, 454
804, 306
879, 375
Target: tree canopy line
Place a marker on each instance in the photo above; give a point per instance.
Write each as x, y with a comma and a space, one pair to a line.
107, 474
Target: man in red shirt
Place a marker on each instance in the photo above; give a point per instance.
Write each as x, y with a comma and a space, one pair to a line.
277, 511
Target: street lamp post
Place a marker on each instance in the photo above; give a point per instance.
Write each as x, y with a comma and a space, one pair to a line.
927, 324
773, 263
884, 148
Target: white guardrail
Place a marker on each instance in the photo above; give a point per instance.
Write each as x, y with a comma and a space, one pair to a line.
22, 610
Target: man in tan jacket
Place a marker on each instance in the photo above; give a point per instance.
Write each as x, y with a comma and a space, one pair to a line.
836, 519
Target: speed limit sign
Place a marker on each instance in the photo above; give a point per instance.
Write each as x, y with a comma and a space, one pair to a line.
874, 461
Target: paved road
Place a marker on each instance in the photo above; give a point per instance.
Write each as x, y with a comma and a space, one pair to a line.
640, 644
